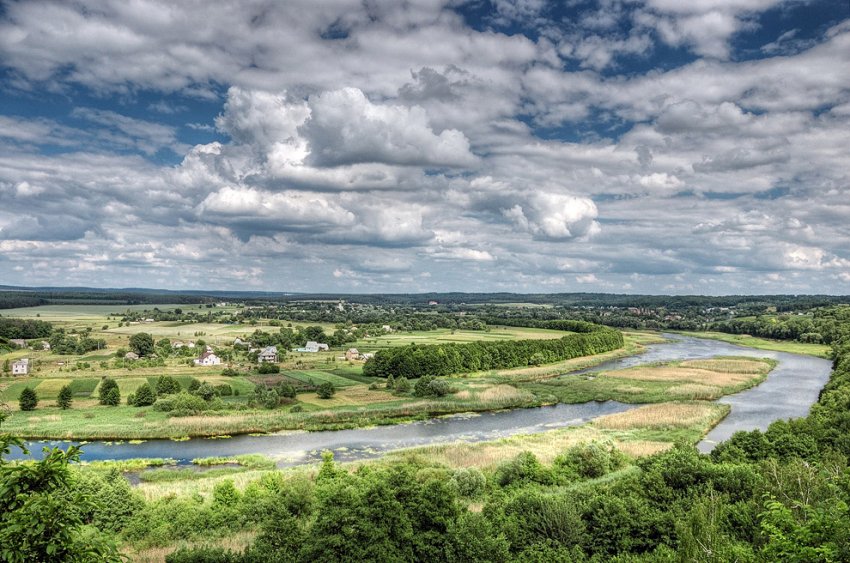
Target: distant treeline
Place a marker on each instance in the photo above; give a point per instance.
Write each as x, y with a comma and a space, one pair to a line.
825, 326
444, 359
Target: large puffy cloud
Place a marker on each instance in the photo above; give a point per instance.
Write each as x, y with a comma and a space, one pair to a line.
346, 128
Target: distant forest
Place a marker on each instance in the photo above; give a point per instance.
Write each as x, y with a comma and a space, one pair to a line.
14, 297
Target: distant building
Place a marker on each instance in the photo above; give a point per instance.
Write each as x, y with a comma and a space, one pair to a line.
433, 303
313, 347
21, 367
268, 354
45, 345
387, 328
19, 342
352, 354
208, 359
131, 356
191, 344
238, 342
177, 344
367, 355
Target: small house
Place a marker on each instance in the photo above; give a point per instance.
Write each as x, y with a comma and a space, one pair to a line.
238, 342
268, 354
367, 355
208, 359
21, 367
45, 345
352, 354
19, 342
131, 356
313, 347
177, 344
387, 328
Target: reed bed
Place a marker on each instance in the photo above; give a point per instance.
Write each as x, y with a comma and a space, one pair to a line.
664, 416
236, 541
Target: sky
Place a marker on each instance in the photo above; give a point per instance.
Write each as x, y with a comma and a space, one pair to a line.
427, 145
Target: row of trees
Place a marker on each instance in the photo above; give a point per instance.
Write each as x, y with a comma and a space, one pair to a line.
415, 361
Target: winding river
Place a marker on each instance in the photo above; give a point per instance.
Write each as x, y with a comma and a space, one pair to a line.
788, 392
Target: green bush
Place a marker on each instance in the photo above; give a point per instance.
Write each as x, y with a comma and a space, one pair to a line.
107, 384
28, 399
65, 398
268, 368
326, 390
588, 461
145, 396
469, 482
112, 398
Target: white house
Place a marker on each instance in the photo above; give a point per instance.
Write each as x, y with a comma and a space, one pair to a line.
131, 356
352, 354
238, 342
208, 359
268, 354
45, 345
19, 342
21, 367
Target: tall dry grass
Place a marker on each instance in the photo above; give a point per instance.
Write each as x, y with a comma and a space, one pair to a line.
664, 416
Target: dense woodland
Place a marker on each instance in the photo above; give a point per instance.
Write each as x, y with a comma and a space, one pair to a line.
444, 359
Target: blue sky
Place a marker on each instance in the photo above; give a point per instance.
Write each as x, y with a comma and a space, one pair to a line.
656, 147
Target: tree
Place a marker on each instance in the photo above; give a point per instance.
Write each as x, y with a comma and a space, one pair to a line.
167, 385
7, 366
106, 385
402, 385
65, 398
142, 343
41, 520
28, 399
205, 391
145, 396
326, 390
113, 397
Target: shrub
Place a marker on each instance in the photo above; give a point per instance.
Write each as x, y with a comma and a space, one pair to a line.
326, 390
402, 385
524, 468
266, 368
206, 391
193, 385
469, 482
285, 390
588, 461
224, 390
66, 397
203, 555
28, 399
296, 408
131, 400
167, 385
145, 396
107, 384
113, 397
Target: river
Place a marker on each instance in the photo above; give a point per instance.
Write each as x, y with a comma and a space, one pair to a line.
788, 392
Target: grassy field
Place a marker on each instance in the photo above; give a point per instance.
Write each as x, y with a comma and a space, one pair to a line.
356, 405
790, 346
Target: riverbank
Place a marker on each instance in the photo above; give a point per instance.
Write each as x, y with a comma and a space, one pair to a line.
789, 346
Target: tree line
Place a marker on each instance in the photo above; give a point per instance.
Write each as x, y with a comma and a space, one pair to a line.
416, 361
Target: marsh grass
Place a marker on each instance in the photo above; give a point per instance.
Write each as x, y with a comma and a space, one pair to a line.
236, 541
665, 416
